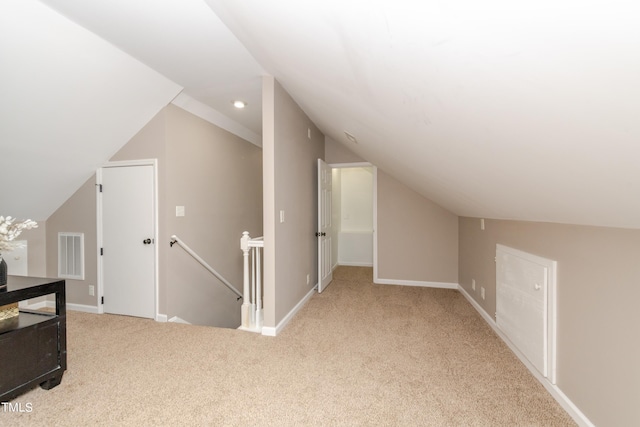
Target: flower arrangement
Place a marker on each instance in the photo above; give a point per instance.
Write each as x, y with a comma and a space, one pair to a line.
9, 230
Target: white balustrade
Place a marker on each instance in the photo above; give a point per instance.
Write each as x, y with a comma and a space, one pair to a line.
252, 315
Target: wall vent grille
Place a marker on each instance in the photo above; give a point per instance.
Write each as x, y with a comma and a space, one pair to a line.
71, 255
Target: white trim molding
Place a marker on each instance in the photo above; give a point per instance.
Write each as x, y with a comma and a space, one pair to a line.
351, 165
272, 332
555, 391
440, 285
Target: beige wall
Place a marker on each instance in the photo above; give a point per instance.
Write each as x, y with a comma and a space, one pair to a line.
217, 177
292, 159
335, 152
269, 199
417, 239
76, 215
598, 316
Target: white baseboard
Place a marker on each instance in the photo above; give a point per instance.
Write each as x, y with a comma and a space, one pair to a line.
161, 318
176, 319
355, 264
37, 305
70, 306
81, 307
272, 332
573, 411
441, 285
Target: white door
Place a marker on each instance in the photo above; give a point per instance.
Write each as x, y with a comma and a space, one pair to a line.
128, 253
324, 226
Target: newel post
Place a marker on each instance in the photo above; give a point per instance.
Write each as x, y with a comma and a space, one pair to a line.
246, 297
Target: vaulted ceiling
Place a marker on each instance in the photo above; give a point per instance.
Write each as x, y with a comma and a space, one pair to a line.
518, 110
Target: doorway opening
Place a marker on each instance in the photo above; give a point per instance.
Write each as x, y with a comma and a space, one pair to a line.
353, 214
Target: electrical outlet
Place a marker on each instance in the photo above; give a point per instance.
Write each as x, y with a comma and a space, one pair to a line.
482, 224
482, 292
473, 284
92, 290
308, 278
281, 217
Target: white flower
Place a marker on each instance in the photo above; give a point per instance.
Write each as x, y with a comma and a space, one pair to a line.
9, 230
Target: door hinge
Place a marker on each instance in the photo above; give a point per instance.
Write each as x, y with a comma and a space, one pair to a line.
101, 251
100, 185
102, 300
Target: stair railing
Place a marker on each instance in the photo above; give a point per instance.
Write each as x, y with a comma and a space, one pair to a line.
175, 239
252, 314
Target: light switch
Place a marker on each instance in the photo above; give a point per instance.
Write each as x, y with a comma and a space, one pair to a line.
281, 217
179, 210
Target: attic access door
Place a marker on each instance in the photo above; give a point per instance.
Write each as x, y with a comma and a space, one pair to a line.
128, 237
526, 306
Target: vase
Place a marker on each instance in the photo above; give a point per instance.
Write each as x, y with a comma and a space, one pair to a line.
3, 274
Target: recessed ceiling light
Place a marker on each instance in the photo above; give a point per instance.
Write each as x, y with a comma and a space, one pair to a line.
350, 137
239, 104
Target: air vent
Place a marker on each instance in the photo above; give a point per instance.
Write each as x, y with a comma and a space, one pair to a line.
71, 255
351, 138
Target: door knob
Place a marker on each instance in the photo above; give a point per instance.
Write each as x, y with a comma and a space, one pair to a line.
147, 241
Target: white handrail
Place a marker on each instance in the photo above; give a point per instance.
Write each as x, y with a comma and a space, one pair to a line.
205, 265
257, 242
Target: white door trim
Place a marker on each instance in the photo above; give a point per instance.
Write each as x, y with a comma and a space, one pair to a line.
100, 285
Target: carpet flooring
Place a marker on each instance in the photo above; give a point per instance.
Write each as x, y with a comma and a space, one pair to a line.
358, 354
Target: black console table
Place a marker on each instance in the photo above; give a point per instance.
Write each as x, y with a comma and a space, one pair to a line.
33, 345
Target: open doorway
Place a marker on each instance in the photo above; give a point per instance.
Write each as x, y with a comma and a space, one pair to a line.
352, 214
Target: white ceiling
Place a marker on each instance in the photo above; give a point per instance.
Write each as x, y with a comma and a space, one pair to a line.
184, 41
68, 102
499, 109
494, 109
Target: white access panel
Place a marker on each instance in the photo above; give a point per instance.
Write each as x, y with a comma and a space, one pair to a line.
525, 305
